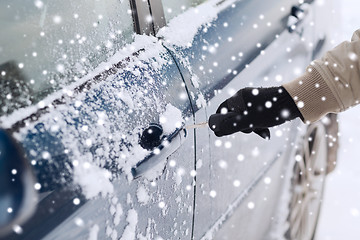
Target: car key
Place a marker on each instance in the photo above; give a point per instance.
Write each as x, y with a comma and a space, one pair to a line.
198, 125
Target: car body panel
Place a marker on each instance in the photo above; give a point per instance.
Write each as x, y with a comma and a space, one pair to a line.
97, 133
232, 163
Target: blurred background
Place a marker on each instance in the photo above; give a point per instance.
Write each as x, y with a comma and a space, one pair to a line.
340, 214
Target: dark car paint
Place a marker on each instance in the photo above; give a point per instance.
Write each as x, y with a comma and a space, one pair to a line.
55, 176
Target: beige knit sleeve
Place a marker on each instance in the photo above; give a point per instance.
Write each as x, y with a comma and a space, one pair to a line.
330, 84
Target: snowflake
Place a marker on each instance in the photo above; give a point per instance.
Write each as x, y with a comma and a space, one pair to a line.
37, 186
251, 205
76, 201
212, 193
57, 19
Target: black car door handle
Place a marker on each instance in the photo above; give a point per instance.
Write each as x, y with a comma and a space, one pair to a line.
296, 17
158, 155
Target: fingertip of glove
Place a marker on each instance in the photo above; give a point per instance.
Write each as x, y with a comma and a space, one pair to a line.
211, 123
219, 134
264, 133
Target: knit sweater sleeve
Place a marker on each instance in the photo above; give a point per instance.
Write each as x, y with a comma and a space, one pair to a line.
330, 84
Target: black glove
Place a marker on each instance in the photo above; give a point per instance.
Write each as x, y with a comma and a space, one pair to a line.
254, 110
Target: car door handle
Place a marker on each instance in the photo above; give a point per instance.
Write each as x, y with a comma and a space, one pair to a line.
296, 17
158, 155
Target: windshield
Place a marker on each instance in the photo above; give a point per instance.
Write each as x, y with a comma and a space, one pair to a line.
45, 45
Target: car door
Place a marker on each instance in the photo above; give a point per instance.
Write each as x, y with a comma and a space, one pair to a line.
235, 45
99, 173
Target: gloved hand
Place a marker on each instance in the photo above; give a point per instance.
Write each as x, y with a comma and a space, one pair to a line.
254, 110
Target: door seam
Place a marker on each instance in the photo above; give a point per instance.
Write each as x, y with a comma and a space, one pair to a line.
193, 113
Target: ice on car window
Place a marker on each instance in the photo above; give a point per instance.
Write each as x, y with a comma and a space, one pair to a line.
47, 44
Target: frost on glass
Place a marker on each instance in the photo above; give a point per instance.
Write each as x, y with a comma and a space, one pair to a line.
44, 45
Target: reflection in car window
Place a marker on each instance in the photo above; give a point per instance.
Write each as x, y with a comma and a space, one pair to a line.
47, 44
172, 8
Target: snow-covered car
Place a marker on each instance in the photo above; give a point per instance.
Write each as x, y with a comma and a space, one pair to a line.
98, 105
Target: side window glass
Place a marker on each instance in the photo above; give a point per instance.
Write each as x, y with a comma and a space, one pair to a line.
239, 34
172, 8
47, 44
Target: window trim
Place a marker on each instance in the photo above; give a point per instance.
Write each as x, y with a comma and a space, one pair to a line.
157, 13
142, 11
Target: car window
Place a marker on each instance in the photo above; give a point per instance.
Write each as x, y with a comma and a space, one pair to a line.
172, 8
47, 44
225, 46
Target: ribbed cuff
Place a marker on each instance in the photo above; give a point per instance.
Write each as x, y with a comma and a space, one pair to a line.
312, 95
